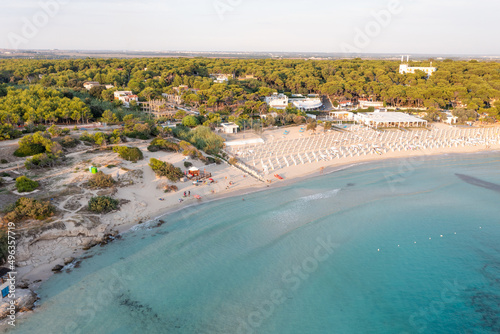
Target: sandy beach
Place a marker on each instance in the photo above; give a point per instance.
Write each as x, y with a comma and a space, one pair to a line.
143, 198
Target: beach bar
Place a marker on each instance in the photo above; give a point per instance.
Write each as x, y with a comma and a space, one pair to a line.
390, 119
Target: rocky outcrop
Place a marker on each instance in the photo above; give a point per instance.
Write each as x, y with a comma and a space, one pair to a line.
24, 301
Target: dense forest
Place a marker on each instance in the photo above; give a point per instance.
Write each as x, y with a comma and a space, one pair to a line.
48, 91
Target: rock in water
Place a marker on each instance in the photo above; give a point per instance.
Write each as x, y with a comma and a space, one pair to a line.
57, 268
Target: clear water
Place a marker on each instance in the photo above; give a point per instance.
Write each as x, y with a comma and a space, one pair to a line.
401, 246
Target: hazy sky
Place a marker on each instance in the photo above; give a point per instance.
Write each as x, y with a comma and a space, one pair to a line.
405, 26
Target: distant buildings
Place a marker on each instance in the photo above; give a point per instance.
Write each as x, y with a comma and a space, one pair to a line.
404, 68
342, 104
126, 97
277, 101
89, 84
220, 78
365, 104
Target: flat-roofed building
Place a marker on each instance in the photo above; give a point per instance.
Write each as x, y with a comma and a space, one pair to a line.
389, 119
277, 101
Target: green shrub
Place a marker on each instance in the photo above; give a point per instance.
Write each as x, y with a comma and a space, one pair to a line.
103, 204
31, 128
29, 149
25, 185
101, 180
29, 208
165, 169
42, 160
7, 132
69, 142
129, 153
202, 138
187, 164
164, 145
36, 143
4, 161
57, 131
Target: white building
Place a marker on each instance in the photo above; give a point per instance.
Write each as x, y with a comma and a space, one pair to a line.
342, 115
229, 128
89, 84
220, 78
364, 104
450, 119
278, 101
307, 104
404, 68
126, 97
343, 104
389, 119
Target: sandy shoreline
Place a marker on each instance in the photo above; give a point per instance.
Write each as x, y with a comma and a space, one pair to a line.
143, 195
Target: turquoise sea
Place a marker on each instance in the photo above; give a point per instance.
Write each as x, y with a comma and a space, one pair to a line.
399, 246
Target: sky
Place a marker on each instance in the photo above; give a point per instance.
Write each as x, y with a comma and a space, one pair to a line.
352, 26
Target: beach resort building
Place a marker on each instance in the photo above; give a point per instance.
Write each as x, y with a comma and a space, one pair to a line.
126, 97
389, 120
277, 101
307, 104
341, 115
229, 128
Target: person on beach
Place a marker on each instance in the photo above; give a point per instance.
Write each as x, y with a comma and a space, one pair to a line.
189, 193
184, 194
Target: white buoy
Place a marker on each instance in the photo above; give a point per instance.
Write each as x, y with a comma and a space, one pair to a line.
414, 242
441, 235
378, 250
429, 238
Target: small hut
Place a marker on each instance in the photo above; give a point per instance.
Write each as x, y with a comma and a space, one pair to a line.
193, 171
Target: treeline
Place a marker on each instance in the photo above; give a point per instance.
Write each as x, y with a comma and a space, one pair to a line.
472, 83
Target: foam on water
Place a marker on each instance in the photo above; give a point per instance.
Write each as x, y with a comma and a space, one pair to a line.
376, 248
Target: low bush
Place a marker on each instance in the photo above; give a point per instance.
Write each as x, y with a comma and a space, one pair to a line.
25, 185
233, 161
29, 150
29, 208
42, 160
101, 180
57, 131
8, 132
170, 188
164, 145
103, 204
4, 161
69, 142
165, 169
37, 143
129, 153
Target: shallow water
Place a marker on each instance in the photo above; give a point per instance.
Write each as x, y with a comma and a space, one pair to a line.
401, 246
